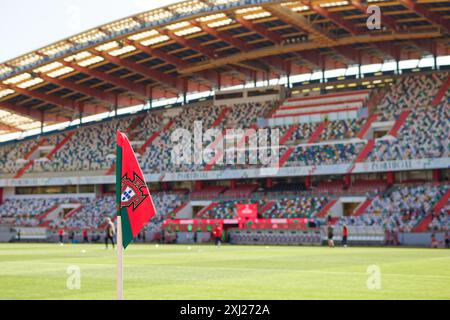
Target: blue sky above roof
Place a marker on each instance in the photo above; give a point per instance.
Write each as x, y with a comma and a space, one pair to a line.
29, 25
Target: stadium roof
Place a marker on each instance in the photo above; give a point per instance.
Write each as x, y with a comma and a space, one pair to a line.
197, 45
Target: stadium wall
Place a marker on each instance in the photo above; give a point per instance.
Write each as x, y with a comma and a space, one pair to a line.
422, 239
304, 171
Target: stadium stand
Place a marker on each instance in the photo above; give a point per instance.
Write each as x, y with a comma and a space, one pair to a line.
91, 214
298, 207
324, 154
403, 208
424, 135
91, 148
323, 129
26, 212
410, 92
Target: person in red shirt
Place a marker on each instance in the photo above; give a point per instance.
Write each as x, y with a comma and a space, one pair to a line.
61, 235
85, 236
344, 235
217, 233
434, 241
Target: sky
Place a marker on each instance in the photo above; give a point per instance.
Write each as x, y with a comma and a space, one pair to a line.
27, 25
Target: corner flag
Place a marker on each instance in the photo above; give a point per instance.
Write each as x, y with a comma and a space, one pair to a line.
134, 202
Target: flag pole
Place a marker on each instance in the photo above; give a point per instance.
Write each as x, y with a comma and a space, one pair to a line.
119, 221
119, 259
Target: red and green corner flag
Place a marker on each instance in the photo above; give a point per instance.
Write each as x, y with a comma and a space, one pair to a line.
134, 201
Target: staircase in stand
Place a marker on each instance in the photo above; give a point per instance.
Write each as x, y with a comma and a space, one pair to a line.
365, 152
60, 145
399, 123
49, 156
422, 226
219, 155
266, 208
173, 215
130, 136
365, 128
46, 214
73, 212
154, 136
362, 156
361, 209
41, 142
316, 135
24, 169
441, 93
221, 116
270, 113
49, 216
375, 99
29, 163
285, 157
133, 125
211, 206
326, 209
289, 134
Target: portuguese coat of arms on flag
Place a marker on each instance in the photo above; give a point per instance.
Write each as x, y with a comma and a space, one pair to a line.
134, 202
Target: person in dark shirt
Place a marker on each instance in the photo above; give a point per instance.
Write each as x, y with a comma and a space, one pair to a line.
110, 232
447, 240
72, 237
330, 236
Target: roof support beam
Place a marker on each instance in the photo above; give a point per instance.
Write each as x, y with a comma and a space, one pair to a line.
300, 22
165, 79
227, 38
6, 127
349, 53
426, 45
432, 17
335, 18
70, 105
248, 71
270, 35
222, 35
108, 99
175, 84
300, 47
32, 113
388, 49
312, 58
275, 62
190, 43
138, 89
158, 53
278, 64
196, 46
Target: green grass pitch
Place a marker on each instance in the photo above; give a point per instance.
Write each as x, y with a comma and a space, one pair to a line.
39, 271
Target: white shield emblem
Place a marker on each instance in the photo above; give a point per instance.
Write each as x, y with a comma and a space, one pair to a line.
128, 194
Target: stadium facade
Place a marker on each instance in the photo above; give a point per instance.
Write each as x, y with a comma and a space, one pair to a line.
361, 109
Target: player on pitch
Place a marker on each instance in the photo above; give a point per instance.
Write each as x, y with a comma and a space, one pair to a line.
110, 232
